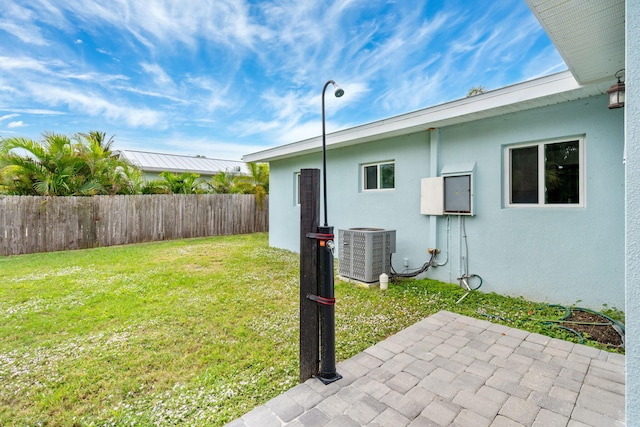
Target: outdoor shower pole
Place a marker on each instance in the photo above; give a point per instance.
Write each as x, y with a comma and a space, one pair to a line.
326, 298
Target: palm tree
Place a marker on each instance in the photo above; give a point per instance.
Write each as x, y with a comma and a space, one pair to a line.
157, 186
257, 182
97, 140
476, 90
115, 175
49, 168
186, 183
60, 166
224, 183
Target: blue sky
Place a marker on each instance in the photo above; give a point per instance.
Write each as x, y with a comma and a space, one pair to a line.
224, 78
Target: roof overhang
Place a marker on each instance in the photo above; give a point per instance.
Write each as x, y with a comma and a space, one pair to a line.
589, 34
553, 89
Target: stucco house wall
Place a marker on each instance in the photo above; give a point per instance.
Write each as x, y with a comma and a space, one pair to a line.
555, 254
632, 187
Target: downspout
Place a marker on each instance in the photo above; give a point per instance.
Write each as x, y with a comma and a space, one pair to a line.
434, 165
434, 134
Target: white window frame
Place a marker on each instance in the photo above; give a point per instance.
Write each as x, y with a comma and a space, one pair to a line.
363, 176
541, 174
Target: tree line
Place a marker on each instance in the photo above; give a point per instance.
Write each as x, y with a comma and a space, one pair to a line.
84, 164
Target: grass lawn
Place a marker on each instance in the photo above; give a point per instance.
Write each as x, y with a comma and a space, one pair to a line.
189, 332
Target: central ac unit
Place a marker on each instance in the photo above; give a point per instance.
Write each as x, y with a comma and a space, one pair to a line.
364, 253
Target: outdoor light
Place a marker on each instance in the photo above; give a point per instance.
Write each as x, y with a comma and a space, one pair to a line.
338, 92
616, 92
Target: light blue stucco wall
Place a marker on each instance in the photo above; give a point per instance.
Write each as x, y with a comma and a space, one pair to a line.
348, 206
632, 185
561, 255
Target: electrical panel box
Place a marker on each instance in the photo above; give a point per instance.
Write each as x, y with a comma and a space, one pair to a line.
457, 194
448, 194
458, 188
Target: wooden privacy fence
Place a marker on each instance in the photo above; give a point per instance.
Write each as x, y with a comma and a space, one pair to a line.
31, 224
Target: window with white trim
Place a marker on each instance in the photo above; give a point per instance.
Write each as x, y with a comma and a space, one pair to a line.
548, 173
378, 176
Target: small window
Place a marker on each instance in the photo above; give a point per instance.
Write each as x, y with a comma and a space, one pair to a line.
545, 174
378, 176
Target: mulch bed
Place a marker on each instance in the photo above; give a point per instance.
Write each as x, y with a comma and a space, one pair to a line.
604, 334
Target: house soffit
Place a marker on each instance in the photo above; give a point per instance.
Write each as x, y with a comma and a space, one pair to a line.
589, 35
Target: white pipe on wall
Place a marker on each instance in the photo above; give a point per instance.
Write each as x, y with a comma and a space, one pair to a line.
434, 136
461, 257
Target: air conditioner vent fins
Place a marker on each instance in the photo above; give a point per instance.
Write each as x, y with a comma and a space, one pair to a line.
364, 253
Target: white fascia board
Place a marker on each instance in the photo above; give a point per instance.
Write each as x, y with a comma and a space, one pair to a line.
513, 98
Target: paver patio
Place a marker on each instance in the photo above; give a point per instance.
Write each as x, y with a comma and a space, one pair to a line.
453, 370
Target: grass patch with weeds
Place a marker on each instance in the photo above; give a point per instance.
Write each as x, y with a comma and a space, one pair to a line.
190, 332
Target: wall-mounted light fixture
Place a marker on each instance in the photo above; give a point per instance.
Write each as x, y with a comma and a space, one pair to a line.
616, 92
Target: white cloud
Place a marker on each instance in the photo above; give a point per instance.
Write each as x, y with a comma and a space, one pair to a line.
19, 22
27, 35
169, 21
159, 76
544, 63
93, 77
93, 105
38, 111
152, 94
8, 116
209, 94
17, 124
10, 63
28, 67
297, 116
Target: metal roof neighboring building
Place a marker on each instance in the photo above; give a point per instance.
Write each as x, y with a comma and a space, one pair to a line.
160, 162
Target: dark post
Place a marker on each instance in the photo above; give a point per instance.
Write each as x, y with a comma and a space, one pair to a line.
316, 272
328, 372
309, 317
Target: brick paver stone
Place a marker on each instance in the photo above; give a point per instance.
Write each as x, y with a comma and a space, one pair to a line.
520, 410
452, 370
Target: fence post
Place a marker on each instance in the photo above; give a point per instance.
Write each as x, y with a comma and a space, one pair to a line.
309, 194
